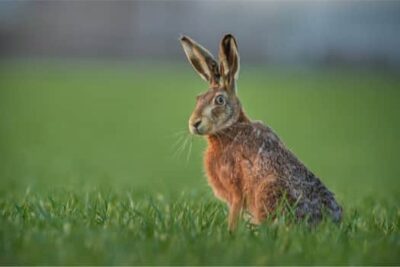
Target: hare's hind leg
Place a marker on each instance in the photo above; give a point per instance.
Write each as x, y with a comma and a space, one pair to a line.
335, 210
266, 197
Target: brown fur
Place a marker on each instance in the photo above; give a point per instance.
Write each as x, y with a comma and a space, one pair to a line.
247, 165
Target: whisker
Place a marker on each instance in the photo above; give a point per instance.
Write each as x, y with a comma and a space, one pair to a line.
178, 145
180, 132
182, 146
175, 136
177, 142
190, 149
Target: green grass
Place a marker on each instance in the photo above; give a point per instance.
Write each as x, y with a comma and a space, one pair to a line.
93, 167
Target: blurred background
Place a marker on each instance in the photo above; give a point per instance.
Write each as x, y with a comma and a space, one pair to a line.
98, 93
275, 32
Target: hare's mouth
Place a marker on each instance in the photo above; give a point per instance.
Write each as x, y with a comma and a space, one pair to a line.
196, 127
199, 129
195, 130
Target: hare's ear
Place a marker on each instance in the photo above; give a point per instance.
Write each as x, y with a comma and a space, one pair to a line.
201, 60
229, 61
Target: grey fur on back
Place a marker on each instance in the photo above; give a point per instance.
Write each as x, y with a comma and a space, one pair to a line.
267, 153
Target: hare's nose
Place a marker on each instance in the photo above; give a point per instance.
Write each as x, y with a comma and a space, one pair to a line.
196, 124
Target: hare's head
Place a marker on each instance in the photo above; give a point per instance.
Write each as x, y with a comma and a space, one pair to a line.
219, 107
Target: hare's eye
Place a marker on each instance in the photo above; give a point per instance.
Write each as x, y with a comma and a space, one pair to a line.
220, 100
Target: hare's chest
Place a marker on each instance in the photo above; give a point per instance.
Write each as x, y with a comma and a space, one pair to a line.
220, 162
221, 172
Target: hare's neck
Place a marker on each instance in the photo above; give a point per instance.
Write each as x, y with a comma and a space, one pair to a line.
226, 136
242, 119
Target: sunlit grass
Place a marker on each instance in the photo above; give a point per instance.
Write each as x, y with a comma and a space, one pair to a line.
97, 167
109, 227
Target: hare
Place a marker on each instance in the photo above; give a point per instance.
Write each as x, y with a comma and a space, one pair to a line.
247, 165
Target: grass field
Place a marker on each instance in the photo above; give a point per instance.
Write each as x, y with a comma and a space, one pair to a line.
96, 166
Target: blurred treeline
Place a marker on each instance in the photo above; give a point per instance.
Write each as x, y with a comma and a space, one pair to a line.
311, 33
